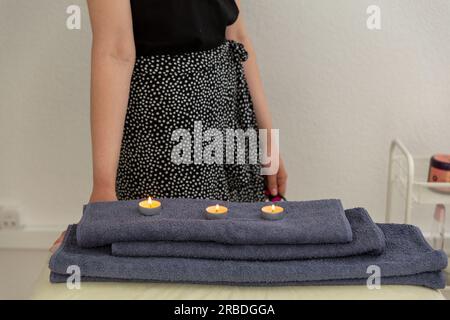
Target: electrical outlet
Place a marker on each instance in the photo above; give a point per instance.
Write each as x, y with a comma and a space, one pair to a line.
9, 219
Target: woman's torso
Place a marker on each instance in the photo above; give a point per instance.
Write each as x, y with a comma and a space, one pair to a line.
176, 26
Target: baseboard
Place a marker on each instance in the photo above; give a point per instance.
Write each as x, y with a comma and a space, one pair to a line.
29, 238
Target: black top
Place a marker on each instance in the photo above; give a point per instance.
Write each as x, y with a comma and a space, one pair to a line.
175, 26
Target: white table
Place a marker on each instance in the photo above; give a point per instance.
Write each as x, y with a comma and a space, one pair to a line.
151, 291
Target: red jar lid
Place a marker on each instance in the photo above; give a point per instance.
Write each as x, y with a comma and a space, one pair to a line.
441, 161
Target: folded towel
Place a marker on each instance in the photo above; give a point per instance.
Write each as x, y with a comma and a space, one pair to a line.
367, 238
434, 280
321, 221
407, 255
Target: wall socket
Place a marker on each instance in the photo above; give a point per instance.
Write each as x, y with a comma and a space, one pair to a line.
9, 219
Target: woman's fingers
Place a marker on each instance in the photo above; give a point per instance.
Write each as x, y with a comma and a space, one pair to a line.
272, 185
277, 183
282, 178
57, 243
282, 183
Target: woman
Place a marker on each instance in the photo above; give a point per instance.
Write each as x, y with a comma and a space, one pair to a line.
163, 65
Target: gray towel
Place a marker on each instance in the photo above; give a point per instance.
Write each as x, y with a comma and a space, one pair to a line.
367, 238
434, 280
407, 255
321, 221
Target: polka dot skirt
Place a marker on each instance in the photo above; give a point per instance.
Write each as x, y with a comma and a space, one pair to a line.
172, 92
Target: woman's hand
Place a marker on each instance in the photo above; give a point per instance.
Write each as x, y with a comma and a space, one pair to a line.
97, 195
277, 183
102, 194
57, 243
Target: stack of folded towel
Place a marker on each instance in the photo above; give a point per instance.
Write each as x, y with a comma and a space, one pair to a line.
317, 243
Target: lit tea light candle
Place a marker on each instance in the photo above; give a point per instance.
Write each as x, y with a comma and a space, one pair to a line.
216, 212
272, 212
150, 207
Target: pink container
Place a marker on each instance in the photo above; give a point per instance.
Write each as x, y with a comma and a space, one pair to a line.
440, 171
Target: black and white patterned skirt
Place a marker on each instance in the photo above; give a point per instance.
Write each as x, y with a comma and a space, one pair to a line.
189, 94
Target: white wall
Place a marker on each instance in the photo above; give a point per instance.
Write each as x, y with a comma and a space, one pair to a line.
339, 93
44, 123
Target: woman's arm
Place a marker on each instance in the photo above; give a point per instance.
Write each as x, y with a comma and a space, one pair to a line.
113, 56
275, 183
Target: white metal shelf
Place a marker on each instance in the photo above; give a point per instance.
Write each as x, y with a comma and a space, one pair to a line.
409, 176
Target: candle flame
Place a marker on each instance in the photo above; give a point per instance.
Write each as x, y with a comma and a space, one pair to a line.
217, 208
273, 208
150, 200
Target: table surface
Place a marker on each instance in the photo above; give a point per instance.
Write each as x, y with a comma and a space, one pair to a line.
44, 290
